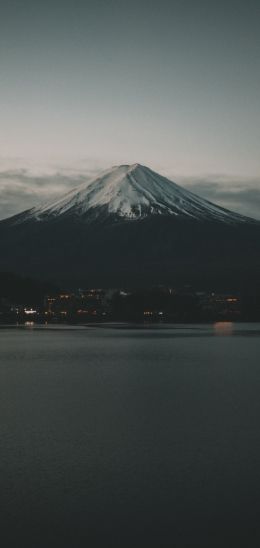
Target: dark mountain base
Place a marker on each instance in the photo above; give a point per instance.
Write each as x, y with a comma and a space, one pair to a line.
20, 290
154, 251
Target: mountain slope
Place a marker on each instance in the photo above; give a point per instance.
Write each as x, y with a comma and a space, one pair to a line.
132, 192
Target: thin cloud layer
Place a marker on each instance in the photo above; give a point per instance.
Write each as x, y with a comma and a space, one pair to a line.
21, 189
241, 196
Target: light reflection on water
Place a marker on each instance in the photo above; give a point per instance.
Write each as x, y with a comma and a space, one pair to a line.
224, 328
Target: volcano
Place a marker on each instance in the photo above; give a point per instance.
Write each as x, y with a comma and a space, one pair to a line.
131, 227
131, 192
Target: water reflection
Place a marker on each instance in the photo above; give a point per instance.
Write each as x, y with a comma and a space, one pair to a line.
29, 324
223, 328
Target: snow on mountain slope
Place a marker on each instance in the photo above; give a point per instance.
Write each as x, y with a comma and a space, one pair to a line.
133, 192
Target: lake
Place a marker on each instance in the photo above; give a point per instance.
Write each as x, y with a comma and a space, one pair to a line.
130, 436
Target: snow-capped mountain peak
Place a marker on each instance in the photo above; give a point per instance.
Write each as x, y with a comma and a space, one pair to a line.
133, 192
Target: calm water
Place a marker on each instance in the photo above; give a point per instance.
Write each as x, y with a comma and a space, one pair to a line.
128, 437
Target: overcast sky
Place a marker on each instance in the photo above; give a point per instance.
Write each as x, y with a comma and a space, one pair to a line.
172, 84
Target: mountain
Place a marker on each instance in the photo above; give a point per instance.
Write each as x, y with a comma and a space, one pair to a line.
131, 192
132, 227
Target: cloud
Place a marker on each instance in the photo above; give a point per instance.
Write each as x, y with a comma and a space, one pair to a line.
239, 195
21, 189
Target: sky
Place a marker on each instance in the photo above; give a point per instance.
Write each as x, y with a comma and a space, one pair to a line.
171, 84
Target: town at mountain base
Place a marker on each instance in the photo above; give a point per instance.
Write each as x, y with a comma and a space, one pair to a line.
131, 227
27, 302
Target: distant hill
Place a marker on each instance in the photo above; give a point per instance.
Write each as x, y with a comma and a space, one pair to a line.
20, 290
